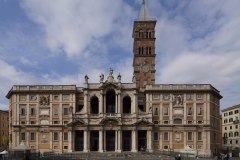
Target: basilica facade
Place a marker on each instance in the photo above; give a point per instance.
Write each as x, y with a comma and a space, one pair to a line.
113, 116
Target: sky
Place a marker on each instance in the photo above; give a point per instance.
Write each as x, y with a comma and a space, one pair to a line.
58, 42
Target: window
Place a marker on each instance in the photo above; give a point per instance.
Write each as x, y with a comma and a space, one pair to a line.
235, 134
177, 121
225, 120
225, 135
155, 111
236, 141
199, 136
32, 136
189, 136
65, 111
189, 97
166, 122
230, 119
23, 136
127, 104
166, 97
55, 136
22, 122
165, 136
155, 122
225, 128
165, 147
22, 98
65, 122
65, 147
230, 113
230, 141
32, 122
230, 127
65, 97
22, 111
140, 50
200, 111
236, 126
225, 114
230, 134
189, 111
65, 136
55, 98
165, 111
199, 96
148, 50
55, 111
32, 111
189, 122
236, 112
148, 34
32, 98
155, 136
55, 122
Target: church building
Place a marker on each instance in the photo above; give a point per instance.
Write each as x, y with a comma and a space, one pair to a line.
113, 116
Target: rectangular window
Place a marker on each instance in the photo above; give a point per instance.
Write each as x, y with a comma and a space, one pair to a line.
65, 111
165, 111
165, 136
23, 136
165, 122
190, 111
32, 122
22, 111
32, 136
32, 97
155, 136
155, 111
199, 136
236, 112
155, 122
236, 126
230, 113
148, 50
230, 127
166, 97
199, 96
140, 50
32, 111
65, 97
55, 122
55, 111
55, 136
200, 111
55, 98
189, 136
65, 136
22, 98
189, 97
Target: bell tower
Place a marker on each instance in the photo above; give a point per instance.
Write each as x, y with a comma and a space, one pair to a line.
144, 48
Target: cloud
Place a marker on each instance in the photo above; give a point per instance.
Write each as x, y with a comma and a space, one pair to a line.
72, 26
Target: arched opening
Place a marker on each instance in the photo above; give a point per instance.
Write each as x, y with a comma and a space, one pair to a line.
127, 104
177, 121
110, 101
94, 105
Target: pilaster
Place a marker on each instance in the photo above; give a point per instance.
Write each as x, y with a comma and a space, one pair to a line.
134, 140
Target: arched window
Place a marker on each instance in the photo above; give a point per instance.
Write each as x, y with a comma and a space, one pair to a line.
235, 134
230, 134
177, 121
127, 104
94, 105
110, 101
230, 119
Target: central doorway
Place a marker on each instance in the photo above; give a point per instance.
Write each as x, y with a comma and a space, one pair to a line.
126, 140
94, 140
142, 140
110, 140
79, 141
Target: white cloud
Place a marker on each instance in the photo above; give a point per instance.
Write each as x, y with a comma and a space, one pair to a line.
71, 26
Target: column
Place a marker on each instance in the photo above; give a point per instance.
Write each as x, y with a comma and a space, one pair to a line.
134, 139
37, 140
171, 139
119, 141
51, 140
27, 139
101, 103
61, 140
195, 139
104, 104
100, 149
116, 103
149, 141
70, 140
104, 141
86, 102
119, 103
195, 111
185, 139
85, 141
116, 141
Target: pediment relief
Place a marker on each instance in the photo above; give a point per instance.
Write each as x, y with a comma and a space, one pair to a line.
110, 85
110, 121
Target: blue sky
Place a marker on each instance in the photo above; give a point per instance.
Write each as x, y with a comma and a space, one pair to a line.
58, 42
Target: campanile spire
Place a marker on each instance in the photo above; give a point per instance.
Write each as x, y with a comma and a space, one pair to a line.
143, 16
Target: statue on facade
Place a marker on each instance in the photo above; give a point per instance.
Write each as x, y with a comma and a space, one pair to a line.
110, 76
119, 77
86, 78
134, 78
177, 100
101, 77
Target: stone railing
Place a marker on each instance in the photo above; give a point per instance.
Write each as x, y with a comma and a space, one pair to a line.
43, 87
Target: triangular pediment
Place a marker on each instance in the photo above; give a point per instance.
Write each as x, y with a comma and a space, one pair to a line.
110, 121
143, 121
110, 85
77, 122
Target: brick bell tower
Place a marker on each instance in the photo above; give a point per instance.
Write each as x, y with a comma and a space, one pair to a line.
144, 48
